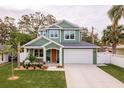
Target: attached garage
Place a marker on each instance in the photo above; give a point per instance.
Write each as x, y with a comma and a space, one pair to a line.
78, 56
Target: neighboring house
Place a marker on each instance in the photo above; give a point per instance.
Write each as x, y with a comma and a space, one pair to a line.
60, 43
120, 50
3, 56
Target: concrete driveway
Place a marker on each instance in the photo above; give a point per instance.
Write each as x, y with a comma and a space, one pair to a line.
89, 76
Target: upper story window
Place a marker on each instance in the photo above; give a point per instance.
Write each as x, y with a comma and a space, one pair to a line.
69, 35
53, 33
43, 33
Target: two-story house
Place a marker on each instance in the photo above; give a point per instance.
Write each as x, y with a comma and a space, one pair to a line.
60, 43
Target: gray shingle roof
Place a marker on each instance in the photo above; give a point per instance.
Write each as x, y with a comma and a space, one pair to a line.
66, 24
82, 44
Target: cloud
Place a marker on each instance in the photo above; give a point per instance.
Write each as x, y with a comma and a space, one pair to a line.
82, 15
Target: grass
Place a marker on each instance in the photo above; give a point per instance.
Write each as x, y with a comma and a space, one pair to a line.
32, 79
115, 71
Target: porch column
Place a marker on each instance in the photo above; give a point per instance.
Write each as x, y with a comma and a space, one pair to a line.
60, 56
25, 50
44, 54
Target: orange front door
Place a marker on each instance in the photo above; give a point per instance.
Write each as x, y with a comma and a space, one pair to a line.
53, 55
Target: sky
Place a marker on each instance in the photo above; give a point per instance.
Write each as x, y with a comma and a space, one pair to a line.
82, 15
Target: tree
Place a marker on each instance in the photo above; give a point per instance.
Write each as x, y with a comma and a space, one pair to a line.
6, 26
32, 22
115, 14
109, 38
88, 36
16, 40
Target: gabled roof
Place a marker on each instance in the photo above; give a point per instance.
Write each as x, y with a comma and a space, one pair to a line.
54, 26
38, 42
66, 24
63, 24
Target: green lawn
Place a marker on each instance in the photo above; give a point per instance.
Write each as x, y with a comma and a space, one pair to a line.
32, 79
115, 71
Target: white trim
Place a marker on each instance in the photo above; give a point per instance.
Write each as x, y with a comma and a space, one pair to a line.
50, 55
33, 52
53, 25
71, 28
69, 35
60, 34
60, 56
39, 57
53, 30
53, 41
44, 54
56, 55
38, 50
32, 41
43, 32
33, 47
53, 48
47, 27
46, 44
54, 37
25, 50
42, 45
79, 36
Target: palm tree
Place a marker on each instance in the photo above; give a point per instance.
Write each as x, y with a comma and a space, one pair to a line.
115, 14
109, 38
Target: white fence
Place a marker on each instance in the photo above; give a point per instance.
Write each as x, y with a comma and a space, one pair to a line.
118, 60
105, 57
102, 57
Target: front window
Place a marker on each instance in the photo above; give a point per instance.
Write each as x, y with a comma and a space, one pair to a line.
69, 35
38, 52
53, 33
43, 33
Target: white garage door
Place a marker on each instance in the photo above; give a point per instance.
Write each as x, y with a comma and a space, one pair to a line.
78, 56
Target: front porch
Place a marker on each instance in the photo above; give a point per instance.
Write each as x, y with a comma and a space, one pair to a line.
45, 50
51, 56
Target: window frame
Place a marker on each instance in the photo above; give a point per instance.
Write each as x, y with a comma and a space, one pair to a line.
44, 33
38, 53
69, 35
52, 31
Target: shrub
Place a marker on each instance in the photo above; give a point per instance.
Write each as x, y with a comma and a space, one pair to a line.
31, 58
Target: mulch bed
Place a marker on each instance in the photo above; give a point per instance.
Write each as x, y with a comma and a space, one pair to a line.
30, 68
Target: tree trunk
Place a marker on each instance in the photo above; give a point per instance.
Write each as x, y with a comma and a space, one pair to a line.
114, 25
114, 48
18, 55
